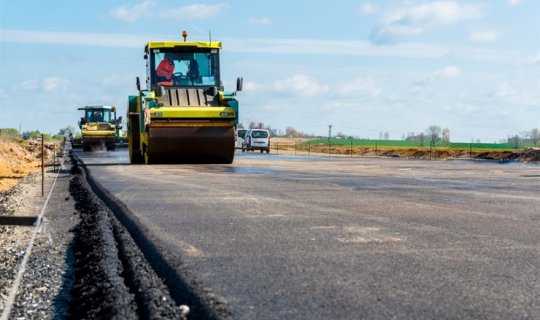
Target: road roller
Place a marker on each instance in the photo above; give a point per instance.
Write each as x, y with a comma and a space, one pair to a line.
184, 115
100, 128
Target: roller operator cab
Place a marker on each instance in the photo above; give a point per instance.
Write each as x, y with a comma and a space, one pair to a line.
184, 115
99, 127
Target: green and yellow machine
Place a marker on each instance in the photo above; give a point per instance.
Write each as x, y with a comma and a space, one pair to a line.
100, 128
188, 117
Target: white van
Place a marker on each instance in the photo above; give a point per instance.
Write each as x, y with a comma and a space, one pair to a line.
240, 133
256, 139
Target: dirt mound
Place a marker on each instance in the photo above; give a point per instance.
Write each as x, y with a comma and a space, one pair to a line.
286, 145
19, 159
531, 155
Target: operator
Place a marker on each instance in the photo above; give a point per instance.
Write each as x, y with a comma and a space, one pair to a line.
193, 71
164, 71
98, 117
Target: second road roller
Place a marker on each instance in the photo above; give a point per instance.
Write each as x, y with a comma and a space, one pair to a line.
99, 127
183, 115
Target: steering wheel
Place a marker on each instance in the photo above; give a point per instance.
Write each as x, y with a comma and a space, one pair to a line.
178, 77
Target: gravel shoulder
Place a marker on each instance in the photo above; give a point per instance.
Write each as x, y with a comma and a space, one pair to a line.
41, 291
81, 265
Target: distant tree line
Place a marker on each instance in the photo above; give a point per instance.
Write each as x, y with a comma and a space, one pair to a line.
434, 135
289, 132
13, 133
526, 137
9, 133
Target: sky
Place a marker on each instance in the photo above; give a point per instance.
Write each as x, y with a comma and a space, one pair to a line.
364, 67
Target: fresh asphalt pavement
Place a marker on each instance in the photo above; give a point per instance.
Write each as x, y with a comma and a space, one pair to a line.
286, 237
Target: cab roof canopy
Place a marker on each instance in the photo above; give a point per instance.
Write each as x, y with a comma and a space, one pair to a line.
182, 44
96, 107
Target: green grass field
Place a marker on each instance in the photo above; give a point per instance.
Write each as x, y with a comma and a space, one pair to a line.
413, 144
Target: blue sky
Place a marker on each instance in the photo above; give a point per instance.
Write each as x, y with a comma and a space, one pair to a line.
364, 67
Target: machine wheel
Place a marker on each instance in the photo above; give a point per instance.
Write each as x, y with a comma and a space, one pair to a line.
262, 150
135, 156
226, 158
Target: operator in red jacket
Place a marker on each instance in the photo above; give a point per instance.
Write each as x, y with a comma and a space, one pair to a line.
164, 72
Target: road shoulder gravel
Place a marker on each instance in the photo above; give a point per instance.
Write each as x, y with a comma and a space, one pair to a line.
40, 293
79, 246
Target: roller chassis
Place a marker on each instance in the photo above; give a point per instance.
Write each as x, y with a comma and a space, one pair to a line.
99, 134
181, 123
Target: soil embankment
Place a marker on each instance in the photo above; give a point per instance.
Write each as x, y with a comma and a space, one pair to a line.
287, 146
19, 159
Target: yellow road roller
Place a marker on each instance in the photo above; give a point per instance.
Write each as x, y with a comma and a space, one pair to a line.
100, 128
184, 115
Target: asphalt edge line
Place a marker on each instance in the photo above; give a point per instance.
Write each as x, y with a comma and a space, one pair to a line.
203, 304
22, 268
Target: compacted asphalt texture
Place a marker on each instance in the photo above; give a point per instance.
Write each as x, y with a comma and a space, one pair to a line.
285, 237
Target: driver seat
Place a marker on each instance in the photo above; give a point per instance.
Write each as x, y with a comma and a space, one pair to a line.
165, 83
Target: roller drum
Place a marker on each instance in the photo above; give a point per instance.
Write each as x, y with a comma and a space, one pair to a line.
202, 144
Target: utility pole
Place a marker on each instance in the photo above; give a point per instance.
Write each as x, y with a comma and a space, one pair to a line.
329, 132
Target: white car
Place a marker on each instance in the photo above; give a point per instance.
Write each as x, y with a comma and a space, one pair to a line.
256, 139
240, 133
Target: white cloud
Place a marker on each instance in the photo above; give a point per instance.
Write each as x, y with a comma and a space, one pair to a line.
483, 37
150, 9
448, 72
252, 87
534, 59
393, 33
260, 21
133, 13
513, 2
409, 21
435, 13
300, 85
54, 84
269, 46
466, 108
74, 38
28, 85
333, 47
504, 90
116, 80
518, 97
444, 73
48, 84
367, 8
361, 85
191, 12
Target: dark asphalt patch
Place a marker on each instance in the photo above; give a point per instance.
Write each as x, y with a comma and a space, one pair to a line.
178, 281
112, 278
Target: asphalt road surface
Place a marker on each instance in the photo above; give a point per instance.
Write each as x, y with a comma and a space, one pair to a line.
284, 237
